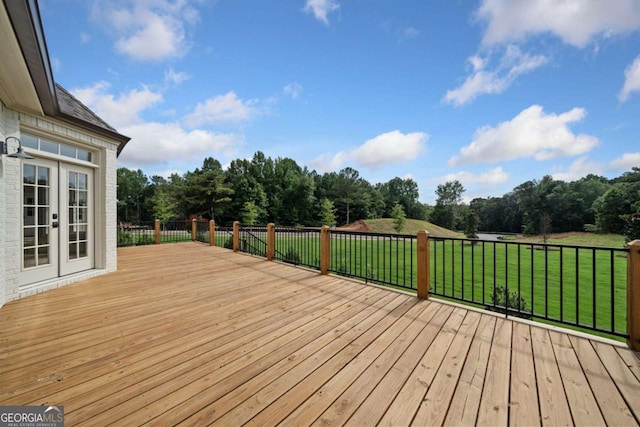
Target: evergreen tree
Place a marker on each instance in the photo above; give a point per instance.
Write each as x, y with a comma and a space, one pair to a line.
399, 218
327, 213
471, 225
249, 214
164, 208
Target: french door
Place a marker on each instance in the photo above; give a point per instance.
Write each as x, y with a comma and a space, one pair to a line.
57, 221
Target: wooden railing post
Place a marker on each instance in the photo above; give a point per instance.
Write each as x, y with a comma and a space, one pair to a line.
156, 227
194, 229
325, 249
633, 295
424, 266
212, 233
271, 241
236, 236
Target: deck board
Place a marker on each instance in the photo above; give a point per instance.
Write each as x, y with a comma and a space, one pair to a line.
584, 408
554, 408
351, 384
524, 409
463, 408
194, 335
494, 402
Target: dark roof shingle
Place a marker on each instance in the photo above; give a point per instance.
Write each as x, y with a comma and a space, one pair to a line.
75, 111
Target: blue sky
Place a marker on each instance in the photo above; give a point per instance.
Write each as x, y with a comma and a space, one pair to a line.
491, 93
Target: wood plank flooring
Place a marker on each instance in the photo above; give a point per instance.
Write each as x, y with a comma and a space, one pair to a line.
186, 334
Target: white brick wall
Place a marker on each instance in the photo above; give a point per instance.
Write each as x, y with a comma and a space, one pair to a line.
111, 192
11, 123
9, 234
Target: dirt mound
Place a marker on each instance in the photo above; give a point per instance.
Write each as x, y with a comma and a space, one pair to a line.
359, 225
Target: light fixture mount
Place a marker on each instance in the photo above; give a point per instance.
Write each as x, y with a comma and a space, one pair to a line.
20, 154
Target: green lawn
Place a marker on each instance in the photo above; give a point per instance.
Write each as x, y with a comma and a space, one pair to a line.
581, 286
582, 239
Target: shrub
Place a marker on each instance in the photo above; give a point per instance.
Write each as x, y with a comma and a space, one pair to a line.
591, 228
292, 256
125, 238
146, 239
370, 273
228, 244
342, 268
514, 305
631, 227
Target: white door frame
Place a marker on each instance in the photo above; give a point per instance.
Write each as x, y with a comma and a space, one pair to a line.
39, 239
76, 219
64, 242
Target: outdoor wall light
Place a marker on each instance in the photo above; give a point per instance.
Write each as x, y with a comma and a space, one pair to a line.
20, 154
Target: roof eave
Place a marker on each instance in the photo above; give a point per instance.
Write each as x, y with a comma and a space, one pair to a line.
25, 19
122, 139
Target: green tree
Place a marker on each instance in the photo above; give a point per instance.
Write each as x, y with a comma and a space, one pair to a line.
471, 225
405, 192
546, 227
131, 187
249, 214
327, 212
247, 187
614, 204
446, 213
164, 207
632, 226
349, 194
204, 190
291, 194
399, 218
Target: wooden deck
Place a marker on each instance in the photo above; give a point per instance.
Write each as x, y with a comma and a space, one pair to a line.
193, 335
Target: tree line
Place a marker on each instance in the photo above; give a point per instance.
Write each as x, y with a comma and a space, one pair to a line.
262, 190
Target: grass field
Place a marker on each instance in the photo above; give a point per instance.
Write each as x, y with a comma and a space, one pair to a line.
569, 284
576, 238
582, 286
412, 226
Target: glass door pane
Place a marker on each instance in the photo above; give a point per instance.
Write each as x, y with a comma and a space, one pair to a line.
40, 244
36, 242
78, 218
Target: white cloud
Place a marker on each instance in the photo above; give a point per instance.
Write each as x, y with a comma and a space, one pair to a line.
84, 38
222, 108
626, 161
173, 77
162, 143
294, 90
153, 142
576, 22
410, 33
532, 133
387, 148
491, 177
149, 30
321, 8
580, 168
631, 80
119, 111
483, 80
